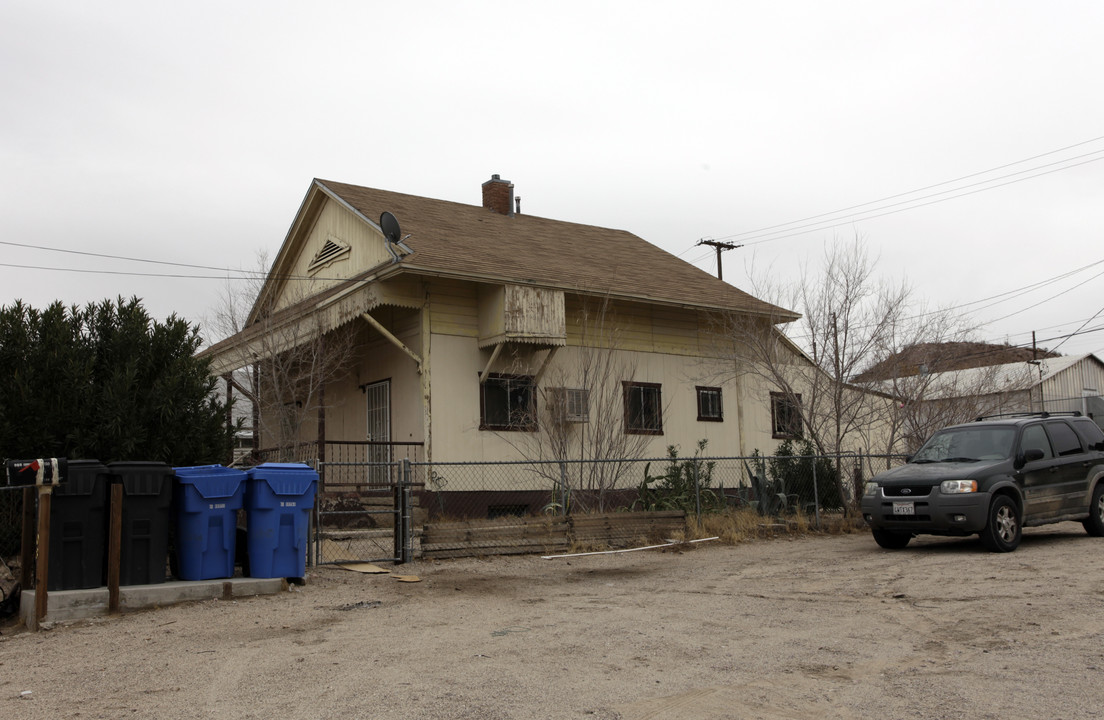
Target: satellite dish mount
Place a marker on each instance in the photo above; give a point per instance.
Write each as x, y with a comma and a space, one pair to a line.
389, 224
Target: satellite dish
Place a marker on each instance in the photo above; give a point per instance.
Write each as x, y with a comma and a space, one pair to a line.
390, 226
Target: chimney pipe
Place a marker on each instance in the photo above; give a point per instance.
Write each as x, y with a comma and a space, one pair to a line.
517, 204
498, 195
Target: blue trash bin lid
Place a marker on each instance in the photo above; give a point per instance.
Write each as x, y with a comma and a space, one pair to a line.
285, 478
211, 481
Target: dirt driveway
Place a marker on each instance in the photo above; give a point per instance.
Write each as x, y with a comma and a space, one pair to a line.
815, 627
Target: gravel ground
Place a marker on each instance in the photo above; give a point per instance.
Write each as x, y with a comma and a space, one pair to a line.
812, 627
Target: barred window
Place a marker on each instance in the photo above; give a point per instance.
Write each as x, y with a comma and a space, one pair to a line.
643, 408
507, 402
709, 404
785, 415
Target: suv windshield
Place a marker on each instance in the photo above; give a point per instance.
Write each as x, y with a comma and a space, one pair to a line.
967, 444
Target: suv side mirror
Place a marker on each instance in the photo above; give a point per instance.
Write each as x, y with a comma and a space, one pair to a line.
1028, 456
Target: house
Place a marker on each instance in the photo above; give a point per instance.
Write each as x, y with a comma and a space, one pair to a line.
477, 333
1064, 383
938, 386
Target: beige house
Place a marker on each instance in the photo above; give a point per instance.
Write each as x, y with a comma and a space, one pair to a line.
485, 334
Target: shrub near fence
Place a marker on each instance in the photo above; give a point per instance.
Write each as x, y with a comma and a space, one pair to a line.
773, 485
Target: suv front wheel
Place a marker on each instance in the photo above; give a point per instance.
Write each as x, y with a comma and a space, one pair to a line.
1003, 532
891, 540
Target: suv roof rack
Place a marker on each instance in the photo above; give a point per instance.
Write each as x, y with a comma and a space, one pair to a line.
1038, 414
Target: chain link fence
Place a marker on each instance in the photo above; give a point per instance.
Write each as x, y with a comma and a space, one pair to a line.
770, 485
11, 520
370, 491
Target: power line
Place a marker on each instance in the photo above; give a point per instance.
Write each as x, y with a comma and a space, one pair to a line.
123, 272
765, 231
1078, 330
123, 257
814, 227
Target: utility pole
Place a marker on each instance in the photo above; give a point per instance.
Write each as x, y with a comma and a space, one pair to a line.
720, 247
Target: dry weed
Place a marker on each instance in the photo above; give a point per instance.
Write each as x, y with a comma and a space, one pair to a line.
742, 525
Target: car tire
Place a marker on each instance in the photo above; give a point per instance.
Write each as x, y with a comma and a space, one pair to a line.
1003, 531
1094, 524
891, 540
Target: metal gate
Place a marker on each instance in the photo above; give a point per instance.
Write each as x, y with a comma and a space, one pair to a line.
369, 524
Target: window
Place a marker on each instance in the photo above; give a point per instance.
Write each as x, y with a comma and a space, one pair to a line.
1035, 438
785, 415
1063, 438
709, 404
1090, 433
643, 410
507, 402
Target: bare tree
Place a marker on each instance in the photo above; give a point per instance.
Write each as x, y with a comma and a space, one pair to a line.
580, 414
285, 355
850, 320
923, 402
847, 319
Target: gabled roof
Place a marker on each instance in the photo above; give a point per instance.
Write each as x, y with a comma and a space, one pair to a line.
947, 356
472, 242
999, 378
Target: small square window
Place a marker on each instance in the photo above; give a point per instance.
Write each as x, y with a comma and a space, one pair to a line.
507, 402
709, 404
643, 408
785, 415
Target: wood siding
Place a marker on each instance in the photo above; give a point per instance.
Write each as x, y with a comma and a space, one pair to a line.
366, 250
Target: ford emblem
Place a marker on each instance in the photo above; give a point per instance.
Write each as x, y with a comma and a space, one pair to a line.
906, 491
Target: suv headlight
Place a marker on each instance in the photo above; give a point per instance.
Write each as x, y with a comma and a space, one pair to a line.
871, 489
951, 487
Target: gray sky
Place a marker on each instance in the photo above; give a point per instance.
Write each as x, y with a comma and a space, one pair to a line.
189, 133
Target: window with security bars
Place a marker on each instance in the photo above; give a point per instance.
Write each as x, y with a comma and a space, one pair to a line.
785, 415
709, 404
507, 402
643, 408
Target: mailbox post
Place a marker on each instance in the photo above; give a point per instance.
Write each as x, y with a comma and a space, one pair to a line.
42, 474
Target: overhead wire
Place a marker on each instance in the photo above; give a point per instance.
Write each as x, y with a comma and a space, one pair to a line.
765, 231
829, 225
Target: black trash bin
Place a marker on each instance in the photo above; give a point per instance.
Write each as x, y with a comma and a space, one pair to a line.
147, 504
78, 527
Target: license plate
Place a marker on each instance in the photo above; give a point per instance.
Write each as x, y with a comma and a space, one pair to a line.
904, 508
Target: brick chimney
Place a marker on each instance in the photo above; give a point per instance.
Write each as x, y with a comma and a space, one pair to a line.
498, 195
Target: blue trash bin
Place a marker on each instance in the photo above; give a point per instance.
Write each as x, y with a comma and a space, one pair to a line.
208, 498
279, 498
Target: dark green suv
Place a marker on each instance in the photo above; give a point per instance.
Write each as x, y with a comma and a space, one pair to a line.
993, 477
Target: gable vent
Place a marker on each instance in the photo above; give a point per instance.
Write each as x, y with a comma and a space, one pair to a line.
332, 251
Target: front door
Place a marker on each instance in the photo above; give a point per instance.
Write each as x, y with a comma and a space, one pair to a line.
378, 403
1042, 497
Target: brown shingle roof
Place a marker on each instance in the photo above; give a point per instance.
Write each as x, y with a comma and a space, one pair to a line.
451, 238
943, 357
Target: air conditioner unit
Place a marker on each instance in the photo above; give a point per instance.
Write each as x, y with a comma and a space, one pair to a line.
572, 405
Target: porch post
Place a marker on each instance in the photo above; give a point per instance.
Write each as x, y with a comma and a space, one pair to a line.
256, 411
321, 437
230, 416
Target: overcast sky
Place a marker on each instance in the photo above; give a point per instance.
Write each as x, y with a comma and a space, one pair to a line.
190, 133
